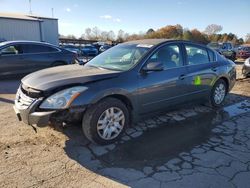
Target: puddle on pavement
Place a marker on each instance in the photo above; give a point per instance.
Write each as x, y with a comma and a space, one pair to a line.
156, 146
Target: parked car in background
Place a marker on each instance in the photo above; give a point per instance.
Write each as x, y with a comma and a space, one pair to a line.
72, 48
244, 52
98, 44
89, 50
246, 68
22, 57
127, 82
104, 47
226, 49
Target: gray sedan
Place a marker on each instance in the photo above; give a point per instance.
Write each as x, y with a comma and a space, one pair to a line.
123, 84
23, 57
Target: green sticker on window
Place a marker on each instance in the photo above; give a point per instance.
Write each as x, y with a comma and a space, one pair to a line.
197, 80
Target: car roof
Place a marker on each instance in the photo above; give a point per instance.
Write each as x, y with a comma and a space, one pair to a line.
155, 42
27, 42
148, 41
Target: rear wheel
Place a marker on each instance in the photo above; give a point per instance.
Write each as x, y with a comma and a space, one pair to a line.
218, 93
104, 122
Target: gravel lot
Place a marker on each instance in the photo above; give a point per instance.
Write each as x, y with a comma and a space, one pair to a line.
193, 147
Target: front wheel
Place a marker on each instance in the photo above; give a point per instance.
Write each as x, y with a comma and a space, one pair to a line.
218, 93
104, 122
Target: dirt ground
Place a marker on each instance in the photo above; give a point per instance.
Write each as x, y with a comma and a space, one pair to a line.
57, 157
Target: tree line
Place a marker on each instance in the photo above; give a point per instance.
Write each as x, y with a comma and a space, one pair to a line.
212, 33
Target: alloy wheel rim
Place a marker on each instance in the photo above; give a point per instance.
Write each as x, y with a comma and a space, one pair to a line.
219, 94
111, 123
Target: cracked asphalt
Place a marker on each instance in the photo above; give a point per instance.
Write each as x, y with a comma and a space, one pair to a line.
194, 146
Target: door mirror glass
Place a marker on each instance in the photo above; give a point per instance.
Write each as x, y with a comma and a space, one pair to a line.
153, 66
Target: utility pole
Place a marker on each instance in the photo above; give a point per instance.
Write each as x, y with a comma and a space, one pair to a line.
30, 7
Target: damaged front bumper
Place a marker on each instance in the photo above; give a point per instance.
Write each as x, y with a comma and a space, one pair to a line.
25, 107
27, 111
33, 118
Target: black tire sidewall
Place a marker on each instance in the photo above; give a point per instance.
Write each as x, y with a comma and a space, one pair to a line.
92, 115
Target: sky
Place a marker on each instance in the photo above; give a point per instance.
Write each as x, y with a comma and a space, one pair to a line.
134, 16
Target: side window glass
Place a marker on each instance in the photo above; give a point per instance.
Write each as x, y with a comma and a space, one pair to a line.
12, 50
211, 55
196, 55
169, 56
34, 48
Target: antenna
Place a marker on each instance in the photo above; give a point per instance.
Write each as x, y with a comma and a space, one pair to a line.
30, 7
52, 12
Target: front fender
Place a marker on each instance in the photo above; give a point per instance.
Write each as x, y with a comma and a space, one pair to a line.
90, 97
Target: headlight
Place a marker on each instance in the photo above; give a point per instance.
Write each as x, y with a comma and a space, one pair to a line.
62, 99
247, 62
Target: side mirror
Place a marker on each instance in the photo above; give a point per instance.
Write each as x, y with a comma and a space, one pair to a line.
153, 66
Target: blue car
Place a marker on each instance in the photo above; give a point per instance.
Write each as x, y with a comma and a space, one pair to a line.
89, 50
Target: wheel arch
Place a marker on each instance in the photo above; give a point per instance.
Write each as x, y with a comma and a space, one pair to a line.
226, 80
124, 99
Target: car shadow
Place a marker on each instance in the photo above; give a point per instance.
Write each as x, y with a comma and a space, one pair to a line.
153, 148
4, 100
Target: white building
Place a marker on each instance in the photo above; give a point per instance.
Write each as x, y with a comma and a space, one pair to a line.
28, 27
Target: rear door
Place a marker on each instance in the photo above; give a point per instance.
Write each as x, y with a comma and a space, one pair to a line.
39, 56
202, 70
160, 89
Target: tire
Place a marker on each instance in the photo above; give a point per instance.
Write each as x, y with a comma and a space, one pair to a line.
98, 118
219, 89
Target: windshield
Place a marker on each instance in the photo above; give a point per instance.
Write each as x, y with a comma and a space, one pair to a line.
121, 57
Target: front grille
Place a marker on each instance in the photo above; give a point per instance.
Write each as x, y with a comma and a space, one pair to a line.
22, 100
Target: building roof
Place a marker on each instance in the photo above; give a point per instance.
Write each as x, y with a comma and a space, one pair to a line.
23, 16
41, 17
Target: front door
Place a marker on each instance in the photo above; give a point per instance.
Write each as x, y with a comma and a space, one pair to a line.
12, 61
160, 89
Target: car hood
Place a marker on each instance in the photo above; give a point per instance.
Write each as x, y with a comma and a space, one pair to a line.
66, 75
